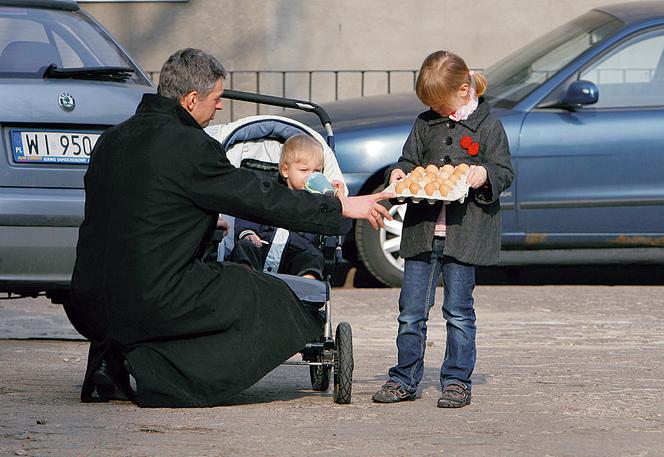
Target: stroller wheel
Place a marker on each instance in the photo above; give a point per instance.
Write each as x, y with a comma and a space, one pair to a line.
320, 377
343, 364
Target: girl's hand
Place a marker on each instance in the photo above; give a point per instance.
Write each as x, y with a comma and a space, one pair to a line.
397, 175
477, 176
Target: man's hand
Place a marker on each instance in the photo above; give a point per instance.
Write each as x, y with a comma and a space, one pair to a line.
397, 175
367, 207
477, 176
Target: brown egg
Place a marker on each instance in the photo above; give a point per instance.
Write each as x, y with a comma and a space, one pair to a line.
420, 170
449, 184
430, 188
408, 181
439, 180
431, 169
431, 175
415, 175
399, 188
447, 168
414, 188
444, 189
453, 178
464, 167
444, 175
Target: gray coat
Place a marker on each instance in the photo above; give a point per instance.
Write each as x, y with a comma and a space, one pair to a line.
473, 227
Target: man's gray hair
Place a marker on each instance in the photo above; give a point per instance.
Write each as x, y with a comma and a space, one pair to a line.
189, 70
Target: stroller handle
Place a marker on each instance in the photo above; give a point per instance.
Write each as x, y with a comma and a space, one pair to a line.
285, 103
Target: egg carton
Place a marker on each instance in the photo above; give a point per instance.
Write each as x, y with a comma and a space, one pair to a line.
458, 193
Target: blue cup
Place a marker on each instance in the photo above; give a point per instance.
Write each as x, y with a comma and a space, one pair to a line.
317, 183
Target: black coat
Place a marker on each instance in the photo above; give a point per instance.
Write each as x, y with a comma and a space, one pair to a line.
194, 333
473, 227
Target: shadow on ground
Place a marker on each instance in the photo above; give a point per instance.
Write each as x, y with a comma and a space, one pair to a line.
548, 275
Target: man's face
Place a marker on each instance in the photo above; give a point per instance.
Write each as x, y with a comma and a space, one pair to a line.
296, 173
204, 108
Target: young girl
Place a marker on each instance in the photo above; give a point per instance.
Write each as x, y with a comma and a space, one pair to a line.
450, 239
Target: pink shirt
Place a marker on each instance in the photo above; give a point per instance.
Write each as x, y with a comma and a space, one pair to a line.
460, 115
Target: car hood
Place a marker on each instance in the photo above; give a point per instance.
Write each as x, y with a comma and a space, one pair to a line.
99, 104
374, 111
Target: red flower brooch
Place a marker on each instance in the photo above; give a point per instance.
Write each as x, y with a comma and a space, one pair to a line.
471, 146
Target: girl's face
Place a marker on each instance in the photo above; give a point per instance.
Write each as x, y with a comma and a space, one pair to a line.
296, 173
456, 101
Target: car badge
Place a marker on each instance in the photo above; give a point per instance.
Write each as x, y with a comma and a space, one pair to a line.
66, 101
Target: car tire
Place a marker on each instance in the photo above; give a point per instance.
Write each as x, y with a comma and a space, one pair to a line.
379, 249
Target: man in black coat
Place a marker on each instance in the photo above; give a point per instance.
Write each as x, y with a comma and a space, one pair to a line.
191, 333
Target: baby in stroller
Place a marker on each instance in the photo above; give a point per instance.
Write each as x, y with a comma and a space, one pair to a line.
259, 246
257, 143
262, 143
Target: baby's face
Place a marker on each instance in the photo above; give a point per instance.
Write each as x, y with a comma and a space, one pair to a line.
296, 173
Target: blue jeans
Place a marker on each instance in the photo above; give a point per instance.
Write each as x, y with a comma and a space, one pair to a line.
418, 293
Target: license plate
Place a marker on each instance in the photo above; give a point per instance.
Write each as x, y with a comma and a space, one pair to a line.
50, 146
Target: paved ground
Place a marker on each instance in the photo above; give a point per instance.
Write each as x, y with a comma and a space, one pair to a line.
562, 371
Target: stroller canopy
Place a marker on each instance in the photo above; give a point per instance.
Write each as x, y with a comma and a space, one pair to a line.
262, 137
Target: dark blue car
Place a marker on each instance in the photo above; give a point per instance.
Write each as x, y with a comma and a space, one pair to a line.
583, 107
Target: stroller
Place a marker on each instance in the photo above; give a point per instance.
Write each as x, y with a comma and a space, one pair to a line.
255, 143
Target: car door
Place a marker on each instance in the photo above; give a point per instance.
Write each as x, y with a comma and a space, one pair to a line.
595, 176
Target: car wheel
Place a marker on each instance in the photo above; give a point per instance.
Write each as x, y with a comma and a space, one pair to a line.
379, 249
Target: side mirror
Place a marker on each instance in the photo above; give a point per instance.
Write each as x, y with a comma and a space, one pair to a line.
581, 93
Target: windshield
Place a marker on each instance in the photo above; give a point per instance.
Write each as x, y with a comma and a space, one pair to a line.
32, 39
516, 76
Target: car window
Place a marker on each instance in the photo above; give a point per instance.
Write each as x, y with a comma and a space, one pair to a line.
516, 76
31, 39
632, 74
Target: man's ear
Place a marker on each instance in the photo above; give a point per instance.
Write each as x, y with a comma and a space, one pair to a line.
189, 100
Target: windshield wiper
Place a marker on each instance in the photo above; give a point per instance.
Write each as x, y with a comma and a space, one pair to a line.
114, 74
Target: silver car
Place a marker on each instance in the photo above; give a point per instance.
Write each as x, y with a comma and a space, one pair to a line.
63, 80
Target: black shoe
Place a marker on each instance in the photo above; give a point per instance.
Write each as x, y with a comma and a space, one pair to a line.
392, 392
112, 383
454, 396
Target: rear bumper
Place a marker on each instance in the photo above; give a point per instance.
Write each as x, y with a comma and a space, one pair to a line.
35, 259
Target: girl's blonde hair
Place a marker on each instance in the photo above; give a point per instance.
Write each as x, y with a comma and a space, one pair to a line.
300, 148
442, 74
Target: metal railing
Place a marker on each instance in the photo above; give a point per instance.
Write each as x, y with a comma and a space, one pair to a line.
312, 85
323, 86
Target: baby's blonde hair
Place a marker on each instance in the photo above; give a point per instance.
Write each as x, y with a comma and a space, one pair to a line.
442, 74
300, 148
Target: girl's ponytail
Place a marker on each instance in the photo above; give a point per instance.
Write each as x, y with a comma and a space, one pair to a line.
479, 83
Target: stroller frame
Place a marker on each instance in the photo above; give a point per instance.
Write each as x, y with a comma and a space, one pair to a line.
328, 357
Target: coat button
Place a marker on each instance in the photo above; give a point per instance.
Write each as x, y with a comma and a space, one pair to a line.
448, 140
451, 124
447, 159
324, 207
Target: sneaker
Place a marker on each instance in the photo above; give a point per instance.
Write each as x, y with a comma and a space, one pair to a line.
392, 392
454, 396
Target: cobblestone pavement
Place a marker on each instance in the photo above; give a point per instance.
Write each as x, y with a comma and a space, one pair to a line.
561, 371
